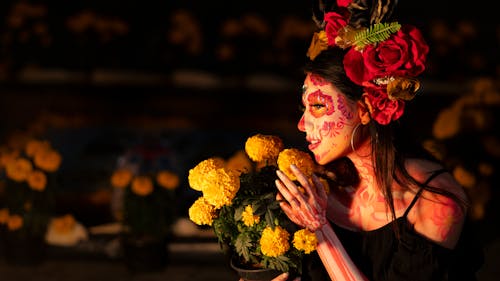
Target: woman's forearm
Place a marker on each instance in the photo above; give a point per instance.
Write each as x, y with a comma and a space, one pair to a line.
335, 259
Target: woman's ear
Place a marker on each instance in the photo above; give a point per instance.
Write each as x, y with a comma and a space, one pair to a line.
364, 109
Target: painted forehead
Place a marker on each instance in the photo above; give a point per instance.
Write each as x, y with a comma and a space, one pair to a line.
314, 81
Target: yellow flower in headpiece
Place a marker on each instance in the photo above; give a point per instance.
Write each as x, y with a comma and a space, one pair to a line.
263, 147
202, 212
197, 174
274, 243
305, 240
319, 43
403, 88
220, 186
248, 218
301, 159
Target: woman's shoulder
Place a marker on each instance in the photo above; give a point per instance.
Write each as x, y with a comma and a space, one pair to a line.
435, 215
436, 176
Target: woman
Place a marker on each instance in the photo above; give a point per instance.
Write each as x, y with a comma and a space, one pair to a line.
404, 216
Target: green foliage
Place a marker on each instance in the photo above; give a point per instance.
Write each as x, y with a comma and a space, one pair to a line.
258, 190
376, 33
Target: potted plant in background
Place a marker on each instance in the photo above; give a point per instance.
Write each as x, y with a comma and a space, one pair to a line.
241, 207
28, 167
147, 214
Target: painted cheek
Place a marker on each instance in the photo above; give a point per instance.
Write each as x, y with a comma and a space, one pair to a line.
343, 108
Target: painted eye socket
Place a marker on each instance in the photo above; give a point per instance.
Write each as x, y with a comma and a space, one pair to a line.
317, 109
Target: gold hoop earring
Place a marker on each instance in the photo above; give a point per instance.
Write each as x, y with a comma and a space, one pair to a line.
352, 141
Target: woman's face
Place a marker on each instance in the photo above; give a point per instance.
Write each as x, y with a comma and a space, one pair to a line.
328, 120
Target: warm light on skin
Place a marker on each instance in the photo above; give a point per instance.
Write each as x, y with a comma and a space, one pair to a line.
328, 119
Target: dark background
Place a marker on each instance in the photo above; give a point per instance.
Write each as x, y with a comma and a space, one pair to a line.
198, 77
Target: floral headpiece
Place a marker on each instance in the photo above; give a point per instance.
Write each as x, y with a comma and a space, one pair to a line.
383, 57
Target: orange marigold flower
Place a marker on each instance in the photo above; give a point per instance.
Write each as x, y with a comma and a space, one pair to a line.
121, 178
142, 185
4, 215
64, 224
48, 160
167, 179
37, 180
34, 145
18, 169
15, 222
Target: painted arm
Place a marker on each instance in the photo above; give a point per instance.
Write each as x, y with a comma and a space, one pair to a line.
308, 209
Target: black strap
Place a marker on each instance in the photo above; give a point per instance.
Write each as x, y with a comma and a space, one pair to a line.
431, 177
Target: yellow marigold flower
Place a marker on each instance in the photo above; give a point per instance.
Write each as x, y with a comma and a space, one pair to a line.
202, 212
248, 218
142, 185
220, 186
274, 243
64, 224
167, 179
4, 215
37, 180
197, 174
305, 240
48, 160
464, 177
263, 147
34, 145
18, 169
297, 157
239, 162
14, 222
121, 178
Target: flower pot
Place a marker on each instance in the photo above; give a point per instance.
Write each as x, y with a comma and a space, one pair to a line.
144, 254
24, 250
253, 274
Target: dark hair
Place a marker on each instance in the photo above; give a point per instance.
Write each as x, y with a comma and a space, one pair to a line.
388, 156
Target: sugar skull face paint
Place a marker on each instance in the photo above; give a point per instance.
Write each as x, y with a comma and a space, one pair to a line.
328, 119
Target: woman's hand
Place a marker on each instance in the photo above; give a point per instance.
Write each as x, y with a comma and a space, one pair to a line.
306, 208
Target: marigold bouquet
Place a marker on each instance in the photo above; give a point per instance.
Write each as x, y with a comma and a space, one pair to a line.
240, 205
28, 167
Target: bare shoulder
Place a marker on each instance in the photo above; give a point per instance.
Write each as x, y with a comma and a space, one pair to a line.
438, 217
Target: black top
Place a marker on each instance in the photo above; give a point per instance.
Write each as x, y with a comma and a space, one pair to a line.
380, 255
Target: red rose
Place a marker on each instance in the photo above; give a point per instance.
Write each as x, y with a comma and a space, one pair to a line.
384, 110
343, 3
334, 22
403, 54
